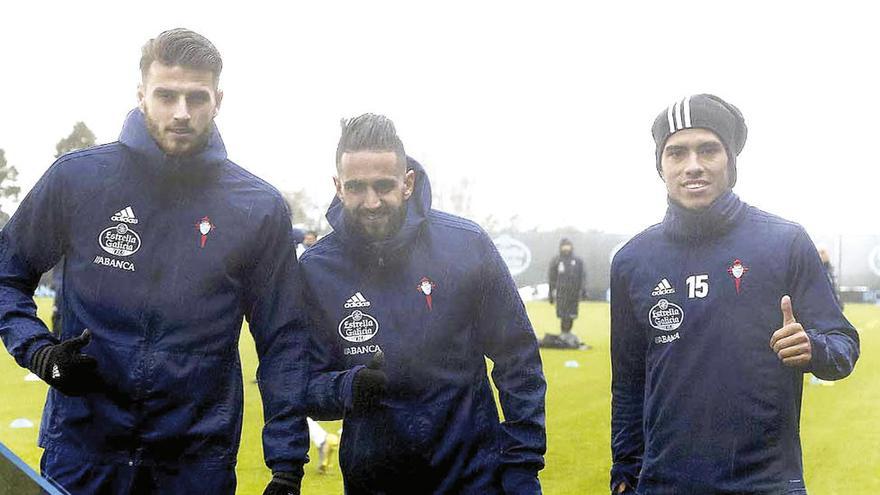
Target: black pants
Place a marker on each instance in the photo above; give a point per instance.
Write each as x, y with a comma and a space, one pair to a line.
566, 324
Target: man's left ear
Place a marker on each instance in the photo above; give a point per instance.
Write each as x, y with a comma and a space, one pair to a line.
141, 95
338, 185
219, 100
409, 182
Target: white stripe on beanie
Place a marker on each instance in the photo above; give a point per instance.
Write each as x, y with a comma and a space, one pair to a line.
675, 113
687, 112
678, 114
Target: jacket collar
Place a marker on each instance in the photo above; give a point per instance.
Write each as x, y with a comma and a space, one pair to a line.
380, 254
137, 138
682, 224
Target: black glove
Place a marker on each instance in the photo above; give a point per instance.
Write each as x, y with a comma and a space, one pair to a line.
64, 367
369, 384
283, 484
551, 299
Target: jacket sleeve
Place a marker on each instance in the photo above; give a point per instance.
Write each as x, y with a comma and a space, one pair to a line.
276, 318
834, 341
552, 274
30, 244
509, 341
628, 350
329, 395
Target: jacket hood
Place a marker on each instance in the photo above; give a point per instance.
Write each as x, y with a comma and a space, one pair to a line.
417, 208
137, 138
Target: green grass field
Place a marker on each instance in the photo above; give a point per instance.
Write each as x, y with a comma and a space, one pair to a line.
839, 424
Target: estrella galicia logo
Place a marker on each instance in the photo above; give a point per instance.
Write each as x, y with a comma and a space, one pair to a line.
665, 316
358, 327
120, 240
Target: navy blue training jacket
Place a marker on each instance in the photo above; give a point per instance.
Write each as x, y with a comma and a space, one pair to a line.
436, 299
163, 259
701, 403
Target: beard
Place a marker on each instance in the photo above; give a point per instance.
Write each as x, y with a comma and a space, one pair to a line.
376, 231
177, 147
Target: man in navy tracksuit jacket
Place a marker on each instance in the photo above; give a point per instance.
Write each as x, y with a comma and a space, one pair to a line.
422, 297
165, 253
716, 314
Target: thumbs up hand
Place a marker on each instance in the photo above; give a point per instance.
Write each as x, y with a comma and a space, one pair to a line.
791, 342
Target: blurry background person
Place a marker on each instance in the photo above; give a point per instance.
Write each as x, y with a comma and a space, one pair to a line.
326, 443
309, 238
568, 280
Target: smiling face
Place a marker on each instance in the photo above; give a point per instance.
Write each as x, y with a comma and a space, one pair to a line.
694, 167
179, 105
373, 187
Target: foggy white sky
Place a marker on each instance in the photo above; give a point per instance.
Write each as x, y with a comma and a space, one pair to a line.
546, 109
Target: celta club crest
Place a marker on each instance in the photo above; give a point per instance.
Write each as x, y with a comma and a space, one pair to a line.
737, 270
426, 287
205, 226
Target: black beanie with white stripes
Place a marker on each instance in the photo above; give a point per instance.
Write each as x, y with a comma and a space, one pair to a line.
703, 111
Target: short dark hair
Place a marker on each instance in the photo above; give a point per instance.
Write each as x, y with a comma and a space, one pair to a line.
184, 48
369, 132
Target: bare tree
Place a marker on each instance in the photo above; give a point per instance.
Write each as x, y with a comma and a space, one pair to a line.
81, 137
305, 211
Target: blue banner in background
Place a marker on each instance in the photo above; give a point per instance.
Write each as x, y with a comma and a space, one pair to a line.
855, 259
